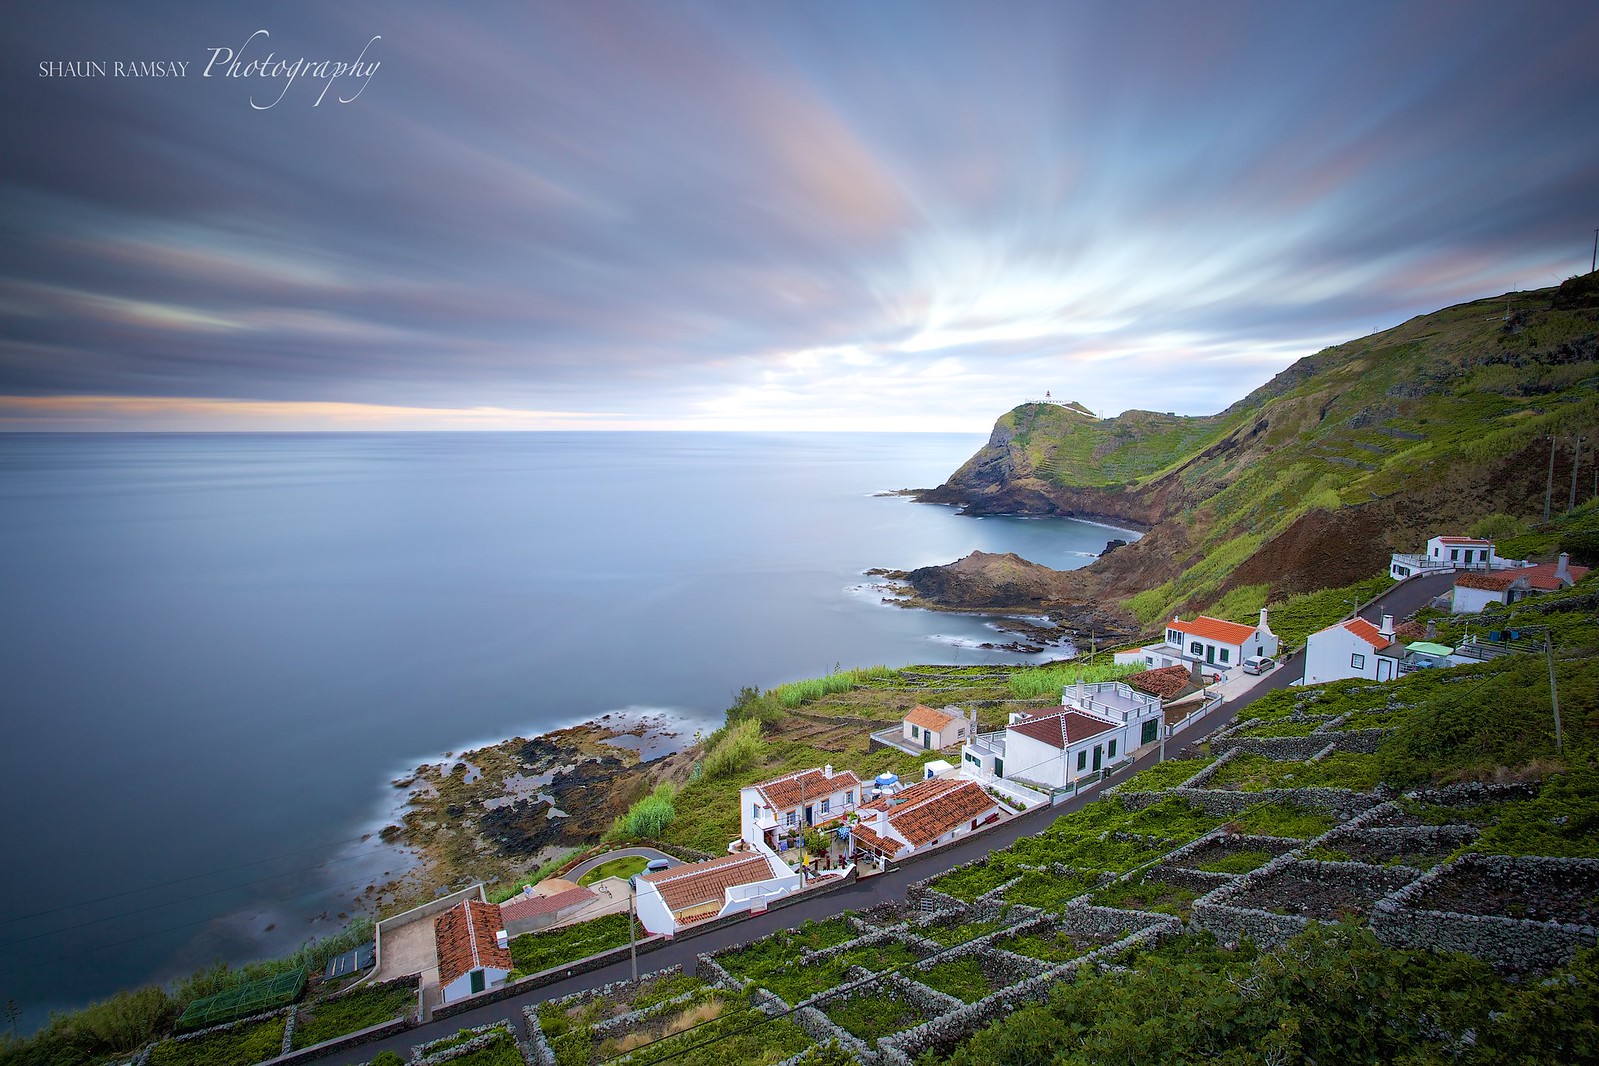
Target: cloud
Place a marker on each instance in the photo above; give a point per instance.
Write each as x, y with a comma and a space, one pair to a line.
712, 214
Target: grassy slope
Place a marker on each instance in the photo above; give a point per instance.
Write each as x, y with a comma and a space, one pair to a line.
1419, 422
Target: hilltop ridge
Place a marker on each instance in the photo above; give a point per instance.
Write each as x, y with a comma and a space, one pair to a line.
1312, 479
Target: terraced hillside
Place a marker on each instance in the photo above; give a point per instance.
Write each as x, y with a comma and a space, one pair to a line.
1356, 872
1310, 481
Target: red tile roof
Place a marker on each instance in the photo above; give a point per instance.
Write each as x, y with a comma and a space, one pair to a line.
524, 907
870, 838
929, 809
465, 938
1494, 581
1465, 540
928, 718
784, 792
1542, 576
1165, 681
1214, 629
1367, 632
696, 883
1063, 729
1410, 631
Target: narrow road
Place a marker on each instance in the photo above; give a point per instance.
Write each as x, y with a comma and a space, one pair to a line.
620, 853
889, 886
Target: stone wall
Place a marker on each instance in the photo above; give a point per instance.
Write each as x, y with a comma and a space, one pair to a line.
1507, 943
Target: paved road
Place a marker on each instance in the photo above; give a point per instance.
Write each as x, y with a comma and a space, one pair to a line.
891, 885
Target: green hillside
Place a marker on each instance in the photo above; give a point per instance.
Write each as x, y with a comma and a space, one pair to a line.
1310, 481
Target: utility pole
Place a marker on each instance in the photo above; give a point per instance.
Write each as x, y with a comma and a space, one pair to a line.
1576, 459
1593, 264
632, 936
1554, 690
1549, 484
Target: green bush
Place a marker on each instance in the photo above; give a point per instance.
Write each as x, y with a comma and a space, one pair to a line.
239, 1046
371, 1005
739, 748
533, 952
648, 818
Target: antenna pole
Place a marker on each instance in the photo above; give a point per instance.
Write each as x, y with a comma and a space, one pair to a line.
1593, 264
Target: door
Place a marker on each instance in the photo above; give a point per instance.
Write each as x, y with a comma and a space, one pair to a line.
1098, 751
999, 767
808, 819
927, 739
1150, 728
1210, 654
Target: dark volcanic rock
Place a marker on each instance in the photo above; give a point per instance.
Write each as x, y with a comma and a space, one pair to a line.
1112, 545
521, 828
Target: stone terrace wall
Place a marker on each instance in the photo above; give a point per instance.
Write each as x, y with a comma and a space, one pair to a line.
1513, 944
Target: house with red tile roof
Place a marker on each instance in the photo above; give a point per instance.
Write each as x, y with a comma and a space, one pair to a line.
922, 816
1215, 642
783, 806
746, 880
543, 905
932, 730
474, 952
1097, 726
1476, 591
1445, 553
1353, 648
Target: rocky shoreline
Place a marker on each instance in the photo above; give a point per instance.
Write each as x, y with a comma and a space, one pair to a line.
498, 812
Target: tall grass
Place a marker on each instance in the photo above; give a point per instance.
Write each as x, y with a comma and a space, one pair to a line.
648, 818
1044, 681
796, 693
739, 747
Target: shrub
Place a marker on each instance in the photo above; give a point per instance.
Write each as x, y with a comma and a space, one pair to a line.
647, 818
739, 748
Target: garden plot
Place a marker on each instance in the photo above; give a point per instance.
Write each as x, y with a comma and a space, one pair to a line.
871, 1013
1055, 945
1151, 894
643, 1024
1233, 853
1539, 891
1327, 891
1419, 847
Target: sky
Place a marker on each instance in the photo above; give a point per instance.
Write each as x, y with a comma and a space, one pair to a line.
756, 216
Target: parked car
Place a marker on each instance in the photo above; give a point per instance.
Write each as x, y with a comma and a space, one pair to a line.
1259, 664
655, 866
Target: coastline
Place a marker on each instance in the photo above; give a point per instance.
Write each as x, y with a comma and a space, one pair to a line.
499, 811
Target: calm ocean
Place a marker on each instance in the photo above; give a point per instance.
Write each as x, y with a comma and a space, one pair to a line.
217, 650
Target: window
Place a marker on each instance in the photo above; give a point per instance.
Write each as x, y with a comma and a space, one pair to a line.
1174, 638
792, 818
1082, 760
827, 805
1111, 751
1454, 555
1224, 654
849, 797
755, 810
916, 732
1196, 648
1149, 660
1357, 661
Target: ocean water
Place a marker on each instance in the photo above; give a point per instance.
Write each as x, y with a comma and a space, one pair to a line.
217, 650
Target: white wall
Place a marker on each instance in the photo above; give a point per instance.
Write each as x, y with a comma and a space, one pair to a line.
461, 987
1033, 760
653, 913
1472, 601
1328, 656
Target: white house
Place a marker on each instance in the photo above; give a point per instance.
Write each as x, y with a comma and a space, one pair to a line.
1354, 648
1097, 726
1475, 591
1212, 641
474, 953
783, 805
931, 730
925, 815
746, 880
1448, 553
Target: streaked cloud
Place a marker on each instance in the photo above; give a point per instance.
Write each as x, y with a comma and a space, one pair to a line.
820, 215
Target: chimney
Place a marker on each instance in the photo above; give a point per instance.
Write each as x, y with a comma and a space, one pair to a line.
1387, 629
1563, 569
501, 939
1265, 626
827, 771
1432, 629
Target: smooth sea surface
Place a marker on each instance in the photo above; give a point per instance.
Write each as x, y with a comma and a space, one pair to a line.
217, 650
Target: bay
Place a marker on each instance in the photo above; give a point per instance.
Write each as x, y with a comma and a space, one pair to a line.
218, 649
